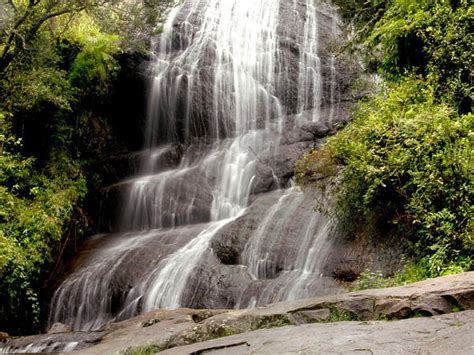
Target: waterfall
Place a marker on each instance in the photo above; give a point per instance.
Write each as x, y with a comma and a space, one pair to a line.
310, 84
233, 82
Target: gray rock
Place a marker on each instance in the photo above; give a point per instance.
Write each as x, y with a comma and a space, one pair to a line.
443, 334
447, 334
391, 303
353, 254
57, 328
51, 343
4, 336
315, 316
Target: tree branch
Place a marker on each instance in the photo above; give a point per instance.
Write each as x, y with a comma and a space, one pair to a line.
59, 13
12, 50
11, 37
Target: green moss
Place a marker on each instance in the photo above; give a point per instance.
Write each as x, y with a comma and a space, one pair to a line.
142, 350
37, 209
411, 272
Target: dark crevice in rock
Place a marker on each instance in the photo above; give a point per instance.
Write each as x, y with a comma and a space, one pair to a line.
201, 316
212, 348
453, 302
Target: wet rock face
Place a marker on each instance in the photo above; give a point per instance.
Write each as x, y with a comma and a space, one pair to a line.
215, 286
353, 255
290, 36
256, 259
167, 202
3, 337
208, 218
106, 271
186, 103
193, 74
228, 245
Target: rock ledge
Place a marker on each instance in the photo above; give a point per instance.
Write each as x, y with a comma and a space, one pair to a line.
172, 329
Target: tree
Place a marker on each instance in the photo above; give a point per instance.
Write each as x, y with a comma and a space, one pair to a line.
24, 19
59, 61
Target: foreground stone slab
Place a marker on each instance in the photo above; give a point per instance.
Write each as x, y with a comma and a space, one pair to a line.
446, 334
170, 329
151, 328
427, 298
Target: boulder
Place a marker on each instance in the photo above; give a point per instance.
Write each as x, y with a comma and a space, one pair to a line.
58, 328
4, 336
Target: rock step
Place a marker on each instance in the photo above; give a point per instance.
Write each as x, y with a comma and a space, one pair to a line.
426, 298
446, 334
172, 329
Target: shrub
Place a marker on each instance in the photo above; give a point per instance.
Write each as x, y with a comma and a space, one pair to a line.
35, 209
411, 272
432, 38
406, 165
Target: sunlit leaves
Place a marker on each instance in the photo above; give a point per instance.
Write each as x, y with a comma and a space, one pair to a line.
408, 162
34, 212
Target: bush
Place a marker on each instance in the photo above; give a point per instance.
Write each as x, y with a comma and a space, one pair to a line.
411, 272
432, 38
35, 210
405, 166
57, 68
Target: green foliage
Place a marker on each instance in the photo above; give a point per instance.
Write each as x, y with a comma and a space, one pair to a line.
25, 22
34, 212
362, 15
368, 280
39, 86
58, 71
134, 20
404, 165
432, 38
37, 81
95, 66
142, 350
341, 315
411, 272
407, 166
58, 62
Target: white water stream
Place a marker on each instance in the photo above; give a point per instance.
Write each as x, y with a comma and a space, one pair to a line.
221, 88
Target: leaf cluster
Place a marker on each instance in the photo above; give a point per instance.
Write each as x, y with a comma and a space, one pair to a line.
58, 65
429, 38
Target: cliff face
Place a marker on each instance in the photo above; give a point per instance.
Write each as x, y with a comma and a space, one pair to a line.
208, 217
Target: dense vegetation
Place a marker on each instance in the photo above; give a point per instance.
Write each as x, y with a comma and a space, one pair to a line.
404, 165
59, 61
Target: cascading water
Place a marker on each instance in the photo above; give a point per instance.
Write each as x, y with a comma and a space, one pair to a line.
238, 89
